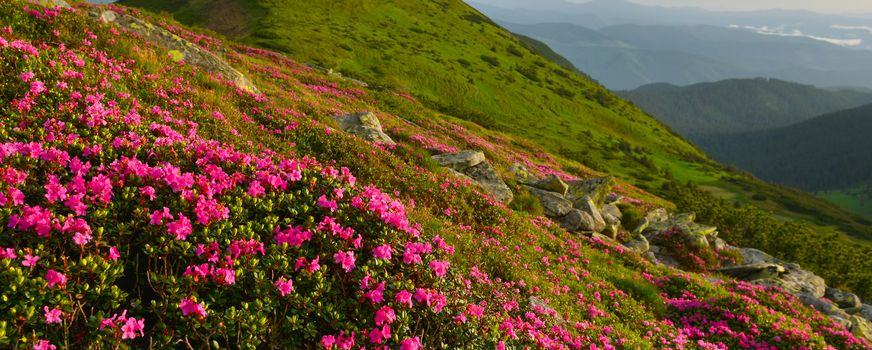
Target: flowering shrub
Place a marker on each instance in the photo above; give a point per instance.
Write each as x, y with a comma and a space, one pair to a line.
147, 204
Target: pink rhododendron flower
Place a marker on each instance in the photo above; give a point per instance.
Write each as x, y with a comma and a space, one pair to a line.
180, 228
55, 278
209, 211
403, 297
224, 276
285, 286
383, 252
113, 253
385, 315
191, 307
323, 202
30, 260
377, 336
411, 344
52, 315
43, 345
131, 327
345, 259
439, 267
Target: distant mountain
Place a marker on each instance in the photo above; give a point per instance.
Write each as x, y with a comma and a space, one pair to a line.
824, 153
708, 110
628, 56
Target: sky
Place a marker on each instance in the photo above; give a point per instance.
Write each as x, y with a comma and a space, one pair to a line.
825, 6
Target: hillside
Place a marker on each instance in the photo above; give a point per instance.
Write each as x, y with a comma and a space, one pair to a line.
167, 188
827, 153
707, 110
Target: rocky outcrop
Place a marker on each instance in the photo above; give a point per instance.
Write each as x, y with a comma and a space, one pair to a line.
596, 189
473, 165
554, 204
179, 48
793, 278
365, 125
576, 205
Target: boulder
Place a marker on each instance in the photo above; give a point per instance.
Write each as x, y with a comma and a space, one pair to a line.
572, 221
613, 198
638, 245
486, 176
552, 184
864, 311
861, 328
643, 225
522, 175
657, 216
588, 223
54, 3
718, 243
597, 189
754, 272
554, 204
844, 300
179, 48
751, 256
365, 125
460, 161
587, 205
611, 213
821, 305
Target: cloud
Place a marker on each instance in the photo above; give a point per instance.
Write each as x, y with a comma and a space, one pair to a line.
856, 28
781, 31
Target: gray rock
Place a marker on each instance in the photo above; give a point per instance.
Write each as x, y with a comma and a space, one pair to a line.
179, 48
755, 271
611, 213
861, 327
460, 161
588, 223
486, 176
54, 3
638, 245
718, 243
587, 205
552, 184
597, 189
365, 125
522, 175
821, 305
864, 311
554, 204
751, 256
572, 221
613, 198
657, 216
643, 225
844, 300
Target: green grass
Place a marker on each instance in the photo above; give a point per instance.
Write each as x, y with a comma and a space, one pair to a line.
853, 199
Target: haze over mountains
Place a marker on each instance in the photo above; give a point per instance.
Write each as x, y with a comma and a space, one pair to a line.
626, 45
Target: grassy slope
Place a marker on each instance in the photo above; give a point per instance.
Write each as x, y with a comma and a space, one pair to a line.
615, 298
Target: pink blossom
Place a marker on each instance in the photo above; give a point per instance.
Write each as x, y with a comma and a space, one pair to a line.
52, 315
26, 76
328, 341
180, 228
30, 260
224, 276
209, 211
55, 278
377, 336
403, 297
189, 306
439, 267
383, 252
114, 254
345, 259
385, 315
43, 345
131, 327
411, 344
285, 286
149, 192
323, 202
255, 189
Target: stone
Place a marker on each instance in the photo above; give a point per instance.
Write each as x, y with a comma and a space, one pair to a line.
613, 198
844, 300
861, 328
718, 243
755, 271
588, 223
657, 216
554, 204
460, 175
522, 174
751, 256
643, 225
802, 281
587, 205
821, 305
596, 188
638, 245
108, 16
611, 213
552, 183
487, 178
365, 125
176, 46
54, 3
572, 221
864, 311
460, 161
